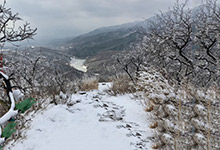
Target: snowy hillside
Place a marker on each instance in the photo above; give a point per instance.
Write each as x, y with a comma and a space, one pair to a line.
89, 121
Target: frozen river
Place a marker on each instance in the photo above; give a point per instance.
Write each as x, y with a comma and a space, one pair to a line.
78, 64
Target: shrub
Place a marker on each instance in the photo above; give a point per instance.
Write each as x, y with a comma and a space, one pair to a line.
122, 84
88, 84
182, 118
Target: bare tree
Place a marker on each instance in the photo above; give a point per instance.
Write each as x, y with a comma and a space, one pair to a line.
131, 62
9, 30
188, 44
173, 32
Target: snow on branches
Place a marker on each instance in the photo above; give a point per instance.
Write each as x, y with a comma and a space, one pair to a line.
9, 30
182, 118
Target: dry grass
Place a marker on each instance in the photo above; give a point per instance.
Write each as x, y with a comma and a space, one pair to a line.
121, 85
88, 84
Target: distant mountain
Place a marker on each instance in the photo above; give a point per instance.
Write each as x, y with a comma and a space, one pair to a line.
113, 38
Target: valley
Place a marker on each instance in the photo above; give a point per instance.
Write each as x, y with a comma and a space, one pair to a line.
140, 85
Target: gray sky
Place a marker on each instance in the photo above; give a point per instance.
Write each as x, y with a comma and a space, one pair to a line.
68, 18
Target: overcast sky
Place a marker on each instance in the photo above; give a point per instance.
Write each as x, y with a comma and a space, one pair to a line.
68, 18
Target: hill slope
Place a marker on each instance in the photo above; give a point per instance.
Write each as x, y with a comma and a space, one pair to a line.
113, 38
89, 45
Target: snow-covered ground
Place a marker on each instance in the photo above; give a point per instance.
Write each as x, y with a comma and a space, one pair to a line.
78, 64
89, 121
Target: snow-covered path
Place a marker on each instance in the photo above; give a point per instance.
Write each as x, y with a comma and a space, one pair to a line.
90, 121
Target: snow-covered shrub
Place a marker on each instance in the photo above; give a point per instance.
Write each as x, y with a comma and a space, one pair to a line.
121, 84
39, 77
183, 117
88, 84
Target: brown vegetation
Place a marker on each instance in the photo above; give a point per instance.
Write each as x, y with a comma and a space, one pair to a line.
88, 84
122, 84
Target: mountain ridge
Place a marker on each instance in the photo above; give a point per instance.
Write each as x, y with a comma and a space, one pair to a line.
111, 38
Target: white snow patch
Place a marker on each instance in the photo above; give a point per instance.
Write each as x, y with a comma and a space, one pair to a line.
4, 75
17, 94
104, 86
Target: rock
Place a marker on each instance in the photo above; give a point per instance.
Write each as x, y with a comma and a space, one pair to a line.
82, 93
138, 134
105, 105
128, 126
